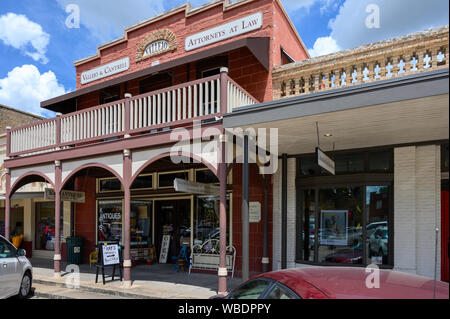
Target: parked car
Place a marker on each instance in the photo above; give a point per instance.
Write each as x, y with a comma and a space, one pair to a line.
16, 272
372, 227
378, 242
337, 283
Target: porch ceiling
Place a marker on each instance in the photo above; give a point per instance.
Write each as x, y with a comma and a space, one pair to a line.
409, 121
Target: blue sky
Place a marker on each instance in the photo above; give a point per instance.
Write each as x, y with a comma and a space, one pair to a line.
37, 49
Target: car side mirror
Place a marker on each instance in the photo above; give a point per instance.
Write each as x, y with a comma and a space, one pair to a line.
21, 253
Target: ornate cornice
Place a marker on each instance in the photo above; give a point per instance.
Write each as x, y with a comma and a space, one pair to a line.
158, 35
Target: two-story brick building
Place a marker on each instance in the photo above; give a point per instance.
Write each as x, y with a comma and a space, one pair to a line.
144, 137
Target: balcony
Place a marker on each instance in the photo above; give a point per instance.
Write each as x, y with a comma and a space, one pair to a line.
164, 109
406, 55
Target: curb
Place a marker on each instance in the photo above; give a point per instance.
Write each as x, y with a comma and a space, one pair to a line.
92, 290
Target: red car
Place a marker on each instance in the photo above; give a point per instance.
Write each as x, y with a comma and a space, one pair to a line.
338, 283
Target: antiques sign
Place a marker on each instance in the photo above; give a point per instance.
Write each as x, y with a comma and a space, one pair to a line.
225, 31
66, 196
105, 70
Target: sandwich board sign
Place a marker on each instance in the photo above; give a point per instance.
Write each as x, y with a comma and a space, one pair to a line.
110, 254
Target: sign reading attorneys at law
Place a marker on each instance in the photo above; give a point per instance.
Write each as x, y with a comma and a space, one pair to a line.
325, 161
225, 31
105, 70
66, 196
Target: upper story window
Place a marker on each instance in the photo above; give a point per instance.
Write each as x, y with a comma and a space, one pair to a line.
155, 82
110, 94
211, 66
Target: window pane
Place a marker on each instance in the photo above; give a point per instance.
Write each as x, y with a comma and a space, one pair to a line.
6, 250
166, 180
142, 182
251, 290
140, 222
377, 205
206, 219
308, 166
349, 163
16, 221
380, 161
45, 226
108, 185
307, 226
279, 293
340, 220
109, 221
206, 176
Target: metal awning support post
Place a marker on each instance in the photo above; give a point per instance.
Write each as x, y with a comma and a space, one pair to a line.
284, 212
223, 272
265, 258
57, 257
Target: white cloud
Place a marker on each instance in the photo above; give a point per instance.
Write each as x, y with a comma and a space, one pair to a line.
324, 45
27, 36
25, 87
397, 18
293, 5
107, 19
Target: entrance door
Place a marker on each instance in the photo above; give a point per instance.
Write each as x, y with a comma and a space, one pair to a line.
445, 236
173, 217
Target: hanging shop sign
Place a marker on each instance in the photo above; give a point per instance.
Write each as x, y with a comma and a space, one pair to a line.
250, 23
66, 196
105, 70
254, 212
184, 186
156, 43
324, 161
334, 227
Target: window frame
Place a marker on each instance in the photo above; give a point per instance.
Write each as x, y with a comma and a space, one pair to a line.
270, 281
388, 181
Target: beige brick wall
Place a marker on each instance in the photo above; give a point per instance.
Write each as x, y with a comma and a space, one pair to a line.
417, 209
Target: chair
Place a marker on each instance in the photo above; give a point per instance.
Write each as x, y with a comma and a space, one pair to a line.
181, 257
93, 258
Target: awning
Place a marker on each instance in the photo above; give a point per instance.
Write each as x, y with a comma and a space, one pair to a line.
258, 46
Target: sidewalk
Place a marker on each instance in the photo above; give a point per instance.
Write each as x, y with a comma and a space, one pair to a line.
155, 281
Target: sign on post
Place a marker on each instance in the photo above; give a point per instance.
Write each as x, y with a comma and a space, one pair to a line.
324, 161
164, 249
66, 196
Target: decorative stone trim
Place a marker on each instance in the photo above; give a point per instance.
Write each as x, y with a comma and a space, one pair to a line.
158, 35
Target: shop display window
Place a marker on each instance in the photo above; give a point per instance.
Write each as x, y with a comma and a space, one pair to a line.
109, 224
307, 225
207, 219
16, 221
45, 226
141, 222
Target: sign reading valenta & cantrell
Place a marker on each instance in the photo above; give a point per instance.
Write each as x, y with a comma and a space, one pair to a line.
162, 41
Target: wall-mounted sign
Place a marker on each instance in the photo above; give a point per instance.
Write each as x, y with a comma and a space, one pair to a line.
225, 31
254, 212
325, 161
156, 43
66, 196
105, 70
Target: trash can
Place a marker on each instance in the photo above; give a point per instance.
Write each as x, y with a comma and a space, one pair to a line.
74, 250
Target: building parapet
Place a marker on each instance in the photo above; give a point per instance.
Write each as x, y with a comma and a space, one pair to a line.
405, 55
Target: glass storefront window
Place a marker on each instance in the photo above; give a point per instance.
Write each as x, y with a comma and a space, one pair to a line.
307, 225
207, 221
143, 182
141, 222
165, 180
45, 226
340, 225
16, 221
349, 163
109, 221
377, 224
109, 185
205, 176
